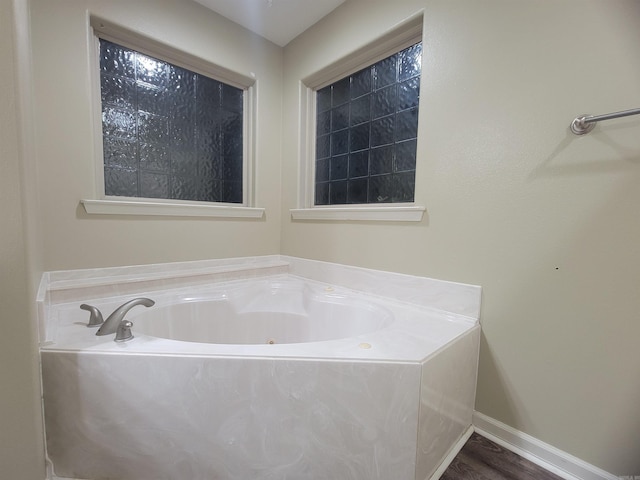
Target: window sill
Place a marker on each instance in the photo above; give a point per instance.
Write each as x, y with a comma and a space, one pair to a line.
125, 207
386, 213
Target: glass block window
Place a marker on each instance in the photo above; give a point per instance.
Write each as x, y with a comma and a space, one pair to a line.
168, 132
366, 133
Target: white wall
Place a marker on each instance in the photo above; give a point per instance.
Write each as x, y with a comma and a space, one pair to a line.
21, 439
545, 221
65, 143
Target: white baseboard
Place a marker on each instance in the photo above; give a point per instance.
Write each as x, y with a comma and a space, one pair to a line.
548, 457
452, 454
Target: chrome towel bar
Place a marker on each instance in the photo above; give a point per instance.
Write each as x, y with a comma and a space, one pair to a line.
585, 123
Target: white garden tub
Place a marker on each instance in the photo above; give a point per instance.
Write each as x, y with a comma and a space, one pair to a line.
278, 376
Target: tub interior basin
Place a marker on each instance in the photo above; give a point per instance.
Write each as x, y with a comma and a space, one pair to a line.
263, 313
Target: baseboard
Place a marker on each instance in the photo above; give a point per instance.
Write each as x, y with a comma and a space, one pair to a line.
452, 454
548, 457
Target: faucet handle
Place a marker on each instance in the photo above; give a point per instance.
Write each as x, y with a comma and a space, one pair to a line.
123, 333
95, 320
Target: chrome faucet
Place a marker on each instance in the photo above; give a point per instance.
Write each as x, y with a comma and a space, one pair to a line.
113, 321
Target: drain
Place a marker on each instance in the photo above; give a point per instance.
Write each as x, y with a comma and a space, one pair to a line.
271, 341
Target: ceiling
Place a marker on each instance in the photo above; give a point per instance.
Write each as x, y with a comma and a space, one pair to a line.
277, 20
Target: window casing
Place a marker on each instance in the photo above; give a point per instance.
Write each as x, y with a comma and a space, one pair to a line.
157, 154
168, 132
394, 158
366, 133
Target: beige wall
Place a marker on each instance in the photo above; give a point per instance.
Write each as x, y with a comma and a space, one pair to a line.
65, 146
545, 221
21, 439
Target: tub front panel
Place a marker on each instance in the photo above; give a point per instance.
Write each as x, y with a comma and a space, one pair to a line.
447, 398
168, 417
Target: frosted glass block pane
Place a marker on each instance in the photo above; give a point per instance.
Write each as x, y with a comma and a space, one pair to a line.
151, 70
151, 99
152, 128
408, 94
377, 133
120, 153
184, 162
232, 169
339, 142
384, 102
381, 160
338, 192
184, 188
119, 123
120, 182
410, 63
211, 190
340, 118
357, 190
382, 131
117, 60
207, 94
381, 189
403, 187
322, 170
208, 138
232, 98
361, 83
181, 94
154, 158
154, 185
232, 191
407, 124
209, 167
359, 137
385, 72
182, 83
232, 137
360, 110
340, 92
339, 167
323, 124
182, 132
405, 157
323, 148
322, 194
118, 91
323, 99
178, 133
359, 164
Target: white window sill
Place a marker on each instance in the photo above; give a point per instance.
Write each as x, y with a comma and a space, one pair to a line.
126, 207
386, 213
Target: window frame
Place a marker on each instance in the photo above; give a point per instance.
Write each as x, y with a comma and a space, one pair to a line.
400, 37
106, 204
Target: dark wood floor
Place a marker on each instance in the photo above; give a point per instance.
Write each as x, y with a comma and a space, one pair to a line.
482, 459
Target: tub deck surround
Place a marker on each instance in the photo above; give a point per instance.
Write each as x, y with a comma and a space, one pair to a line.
389, 401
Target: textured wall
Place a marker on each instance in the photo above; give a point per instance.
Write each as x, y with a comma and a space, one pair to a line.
545, 221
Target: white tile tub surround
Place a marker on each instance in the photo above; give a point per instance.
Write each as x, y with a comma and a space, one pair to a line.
155, 408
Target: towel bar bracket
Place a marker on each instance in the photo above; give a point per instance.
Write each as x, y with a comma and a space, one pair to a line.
580, 127
585, 123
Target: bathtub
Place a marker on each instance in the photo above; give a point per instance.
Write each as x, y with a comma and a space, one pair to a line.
263, 368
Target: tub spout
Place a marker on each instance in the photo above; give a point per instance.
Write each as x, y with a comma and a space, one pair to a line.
111, 324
